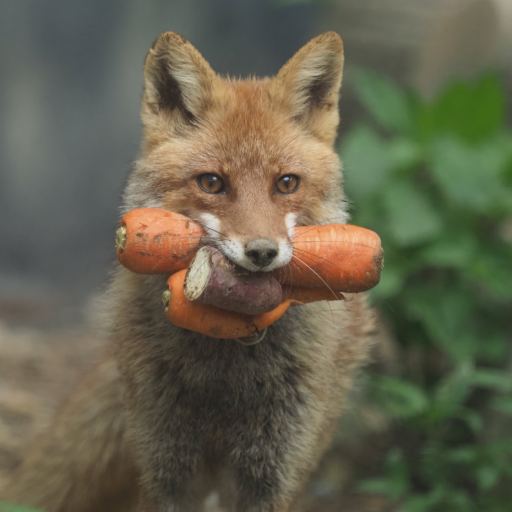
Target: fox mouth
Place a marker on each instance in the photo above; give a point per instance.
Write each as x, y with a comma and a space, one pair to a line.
259, 254
234, 251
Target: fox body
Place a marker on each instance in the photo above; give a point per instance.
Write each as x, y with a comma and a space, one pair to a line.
168, 414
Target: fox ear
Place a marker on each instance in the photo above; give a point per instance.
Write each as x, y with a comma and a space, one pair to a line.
308, 85
178, 82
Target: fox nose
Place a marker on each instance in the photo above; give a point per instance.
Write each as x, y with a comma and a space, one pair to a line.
261, 251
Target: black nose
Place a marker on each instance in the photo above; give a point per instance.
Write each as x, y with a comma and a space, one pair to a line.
261, 251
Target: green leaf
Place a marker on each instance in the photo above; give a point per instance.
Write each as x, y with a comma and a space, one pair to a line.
424, 502
367, 162
487, 476
395, 483
493, 270
468, 176
496, 380
446, 315
454, 248
388, 104
374, 486
471, 111
493, 346
459, 501
412, 217
400, 398
9, 507
503, 405
472, 418
454, 389
404, 154
468, 454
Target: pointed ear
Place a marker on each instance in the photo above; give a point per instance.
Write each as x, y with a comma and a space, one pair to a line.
308, 85
178, 83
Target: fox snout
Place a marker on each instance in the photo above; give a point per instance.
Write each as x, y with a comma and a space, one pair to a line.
261, 251
266, 248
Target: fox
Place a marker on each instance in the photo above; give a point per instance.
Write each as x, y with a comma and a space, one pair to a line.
167, 416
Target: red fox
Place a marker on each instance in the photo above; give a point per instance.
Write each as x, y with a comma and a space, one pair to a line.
168, 414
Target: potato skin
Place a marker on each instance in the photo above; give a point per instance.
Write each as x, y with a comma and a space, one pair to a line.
231, 287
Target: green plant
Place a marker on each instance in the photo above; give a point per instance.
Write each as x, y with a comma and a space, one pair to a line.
434, 179
9, 507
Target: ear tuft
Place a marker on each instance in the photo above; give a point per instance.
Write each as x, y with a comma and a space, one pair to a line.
178, 80
309, 83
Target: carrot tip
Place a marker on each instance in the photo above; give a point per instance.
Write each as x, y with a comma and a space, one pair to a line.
121, 238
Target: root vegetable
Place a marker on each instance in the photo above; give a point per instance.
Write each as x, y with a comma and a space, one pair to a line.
212, 279
221, 323
338, 257
152, 241
306, 295
210, 320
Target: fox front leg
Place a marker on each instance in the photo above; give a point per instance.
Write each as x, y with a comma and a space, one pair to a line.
272, 465
267, 485
170, 461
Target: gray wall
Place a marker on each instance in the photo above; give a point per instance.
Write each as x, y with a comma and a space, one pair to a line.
70, 87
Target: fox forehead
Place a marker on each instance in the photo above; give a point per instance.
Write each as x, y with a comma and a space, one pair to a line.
242, 132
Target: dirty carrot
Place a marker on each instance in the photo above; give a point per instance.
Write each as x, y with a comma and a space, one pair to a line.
337, 257
153, 241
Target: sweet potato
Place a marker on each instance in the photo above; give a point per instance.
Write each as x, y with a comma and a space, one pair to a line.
211, 320
212, 279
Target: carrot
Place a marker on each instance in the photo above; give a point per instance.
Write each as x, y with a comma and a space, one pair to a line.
152, 241
222, 323
338, 257
300, 295
211, 320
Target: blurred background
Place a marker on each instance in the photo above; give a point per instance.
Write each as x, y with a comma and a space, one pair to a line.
426, 141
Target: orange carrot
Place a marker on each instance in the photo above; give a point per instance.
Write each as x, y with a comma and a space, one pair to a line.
152, 241
211, 320
300, 295
337, 257
222, 323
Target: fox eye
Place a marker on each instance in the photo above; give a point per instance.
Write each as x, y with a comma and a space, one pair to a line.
287, 184
211, 183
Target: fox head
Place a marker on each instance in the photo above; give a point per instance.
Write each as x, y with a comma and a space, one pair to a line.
247, 159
